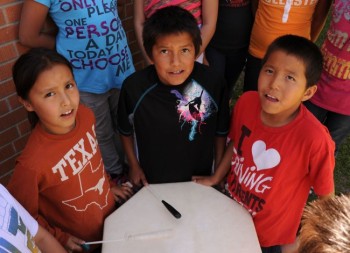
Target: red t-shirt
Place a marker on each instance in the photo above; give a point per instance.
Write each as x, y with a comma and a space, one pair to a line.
273, 168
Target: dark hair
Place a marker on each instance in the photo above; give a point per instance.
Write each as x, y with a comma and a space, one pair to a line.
170, 20
27, 69
303, 49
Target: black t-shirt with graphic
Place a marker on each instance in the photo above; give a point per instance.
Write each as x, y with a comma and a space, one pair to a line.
175, 126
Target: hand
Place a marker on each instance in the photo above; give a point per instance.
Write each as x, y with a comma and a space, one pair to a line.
122, 192
137, 177
208, 181
74, 244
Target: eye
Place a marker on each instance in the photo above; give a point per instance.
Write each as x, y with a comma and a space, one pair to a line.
70, 85
185, 50
268, 71
163, 51
290, 78
49, 94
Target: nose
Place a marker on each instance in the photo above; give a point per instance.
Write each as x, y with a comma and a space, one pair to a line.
175, 59
65, 99
274, 82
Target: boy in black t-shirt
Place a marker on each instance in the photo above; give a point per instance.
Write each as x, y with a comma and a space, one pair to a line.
177, 109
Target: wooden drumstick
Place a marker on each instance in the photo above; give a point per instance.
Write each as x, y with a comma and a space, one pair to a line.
163, 233
170, 208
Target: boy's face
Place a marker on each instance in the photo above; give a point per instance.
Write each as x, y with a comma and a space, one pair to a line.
55, 99
173, 56
282, 88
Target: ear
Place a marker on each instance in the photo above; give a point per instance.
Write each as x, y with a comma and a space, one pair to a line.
26, 104
309, 92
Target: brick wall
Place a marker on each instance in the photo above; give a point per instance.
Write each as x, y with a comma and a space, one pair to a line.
14, 127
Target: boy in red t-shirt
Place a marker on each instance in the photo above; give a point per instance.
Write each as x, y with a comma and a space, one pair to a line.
278, 150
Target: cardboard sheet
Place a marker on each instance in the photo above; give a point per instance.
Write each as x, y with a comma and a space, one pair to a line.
210, 222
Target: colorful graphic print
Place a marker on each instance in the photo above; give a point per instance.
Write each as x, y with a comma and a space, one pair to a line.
194, 106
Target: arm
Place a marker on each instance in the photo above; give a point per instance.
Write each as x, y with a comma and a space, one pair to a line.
220, 143
139, 19
121, 192
220, 171
209, 18
33, 19
331, 194
47, 243
136, 174
319, 18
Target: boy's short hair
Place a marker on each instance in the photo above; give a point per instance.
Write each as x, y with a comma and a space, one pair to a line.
170, 20
303, 49
325, 227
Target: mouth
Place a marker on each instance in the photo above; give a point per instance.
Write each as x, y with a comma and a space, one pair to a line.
271, 98
68, 113
176, 72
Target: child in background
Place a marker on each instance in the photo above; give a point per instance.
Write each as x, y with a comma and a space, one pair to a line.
59, 178
326, 226
277, 18
91, 37
177, 108
205, 12
20, 232
277, 148
331, 103
227, 50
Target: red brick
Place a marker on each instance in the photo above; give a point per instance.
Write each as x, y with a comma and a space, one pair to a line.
7, 151
24, 127
13, 12
3, 2
129, 10
8, 136
20, 143
5, 179
13, 101
3, 107
2, 18
138, 57
8, 33
139, 65
7, 52
12, 118
7, 165
121, 12
131, 36
7, 88
6, 71
134, 47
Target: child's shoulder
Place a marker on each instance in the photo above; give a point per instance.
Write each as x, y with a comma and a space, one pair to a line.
143, 75
206, 75
311, 128
248, 97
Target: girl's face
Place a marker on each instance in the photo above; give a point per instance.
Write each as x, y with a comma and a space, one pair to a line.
55, 99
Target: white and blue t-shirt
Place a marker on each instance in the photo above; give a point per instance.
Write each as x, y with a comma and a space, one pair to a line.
92, 38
